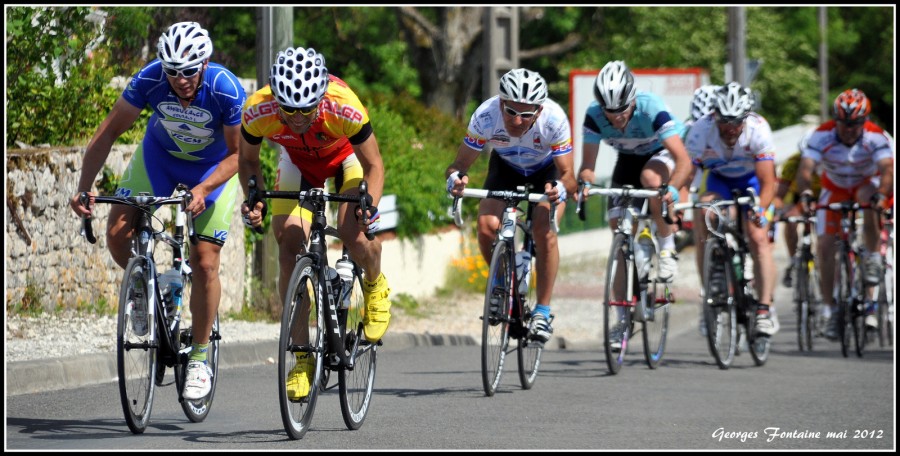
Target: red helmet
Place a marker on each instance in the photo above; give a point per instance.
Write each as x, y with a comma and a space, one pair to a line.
851, 105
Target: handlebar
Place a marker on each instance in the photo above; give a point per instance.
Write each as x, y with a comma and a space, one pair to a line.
629, 193
183, 198
512, 197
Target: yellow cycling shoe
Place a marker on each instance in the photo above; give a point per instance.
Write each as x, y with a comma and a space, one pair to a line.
378, 308
299, 378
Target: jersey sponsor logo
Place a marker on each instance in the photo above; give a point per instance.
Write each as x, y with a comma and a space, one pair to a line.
346, 111
220, 234
562, 149
123, 192
474, 142
263, 109
184, 128
500, 139
189, 114
536, 142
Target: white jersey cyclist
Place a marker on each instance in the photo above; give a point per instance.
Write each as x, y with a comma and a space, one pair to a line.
708, 151
549, 137
849, 166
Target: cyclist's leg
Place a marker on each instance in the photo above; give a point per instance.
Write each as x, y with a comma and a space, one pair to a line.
546, 246
871, 235
118, 228
701, 233
828, 226
659, 169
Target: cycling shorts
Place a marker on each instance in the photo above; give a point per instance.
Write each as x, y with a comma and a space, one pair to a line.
501, 176
347, 175
829, 222
628, 172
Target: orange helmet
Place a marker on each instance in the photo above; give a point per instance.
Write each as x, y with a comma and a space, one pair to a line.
851, 105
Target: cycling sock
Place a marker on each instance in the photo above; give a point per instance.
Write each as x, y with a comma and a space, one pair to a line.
668, 242
198, 352
762, 309
542, 309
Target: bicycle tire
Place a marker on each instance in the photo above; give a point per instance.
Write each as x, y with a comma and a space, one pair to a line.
616, 309
858, 310
495, 328
886, 298
356, 385
197, 410
844, 300
135, 354
655, 321
758, 345
804, 304
719, 309
529, 352
304, 309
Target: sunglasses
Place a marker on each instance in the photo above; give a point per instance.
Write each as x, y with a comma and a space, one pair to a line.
186, 72
524, 114
290, 110
852, 123
732, 121
618, 110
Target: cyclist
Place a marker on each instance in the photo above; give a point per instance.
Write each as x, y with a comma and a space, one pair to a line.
647, 139
735, 144
192, 138
322, 131
786, 199
857, 159
531, 141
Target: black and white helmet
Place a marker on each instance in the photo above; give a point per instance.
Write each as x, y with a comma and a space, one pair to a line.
184, 45
614, 87
523, 86
704, 101
734, 101
299, 77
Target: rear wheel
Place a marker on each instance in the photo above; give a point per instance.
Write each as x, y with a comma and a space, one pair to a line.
617, 305
718, 306
302, 340
196, 411
136, 343
886, 298
759, 345
495, 325
804, 301
656, 315
844, 301
356, 385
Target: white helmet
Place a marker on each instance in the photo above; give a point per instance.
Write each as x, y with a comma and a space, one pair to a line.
734, 101
704, 101
523, 86
184, 45
614, 87
299, 78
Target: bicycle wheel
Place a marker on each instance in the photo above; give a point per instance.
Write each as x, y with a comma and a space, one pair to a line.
844, 300
495, 325
617, 304
804, 305
356, 385
758, 345
529, 352
858, 309
196, 411
886, 298
656, 314
302, 334
136, 350
718, 305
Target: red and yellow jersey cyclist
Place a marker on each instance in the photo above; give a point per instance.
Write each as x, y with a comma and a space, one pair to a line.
323, 131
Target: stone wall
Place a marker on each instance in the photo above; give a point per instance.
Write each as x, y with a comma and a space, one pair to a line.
44, 251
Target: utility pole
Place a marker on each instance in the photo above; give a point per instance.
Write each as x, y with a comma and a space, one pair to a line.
823, 63
501, 46
737, 37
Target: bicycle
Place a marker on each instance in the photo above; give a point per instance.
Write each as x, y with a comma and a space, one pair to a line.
322, 320
886, 288
807, 295
729, 304
147, 344
642, 297
849, 290
509, 294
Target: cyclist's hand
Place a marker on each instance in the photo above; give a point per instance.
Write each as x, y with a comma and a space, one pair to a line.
878, 200
806, 199
254, 218
374, 223
759, 217
671, 196
456, 182
76, 205
555, 191
198, 200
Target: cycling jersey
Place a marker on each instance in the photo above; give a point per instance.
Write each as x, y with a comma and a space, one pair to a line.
650, 124
549, 137
341, 120
708, 151
789, 176
848, 166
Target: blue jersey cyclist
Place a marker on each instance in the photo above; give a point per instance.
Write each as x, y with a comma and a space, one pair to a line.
647, 139
530, 143
192, 138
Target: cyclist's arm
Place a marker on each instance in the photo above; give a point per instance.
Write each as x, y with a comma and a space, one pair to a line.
682, 173
248, 160
886, 168
465, 156
765, 172
118, 121
565, 164
373, 167
588, 161
804, 174
226, 169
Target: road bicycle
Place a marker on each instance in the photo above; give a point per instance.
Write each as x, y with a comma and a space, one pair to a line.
635, 298
850, 293
510, 294
322, 320
886, 287
807, 295
149, 337
729, 302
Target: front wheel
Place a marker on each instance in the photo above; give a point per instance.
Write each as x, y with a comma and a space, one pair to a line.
844, 299
136, 346
657, 301
498, 302
301, 346
720, 286
356, 385
196, 411
759, 345
617, 302
529, 352
804, 305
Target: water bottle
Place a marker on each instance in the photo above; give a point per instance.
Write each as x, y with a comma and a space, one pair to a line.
344, 270
736, 263
523, 270
170, 287
748, 266
643, 252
